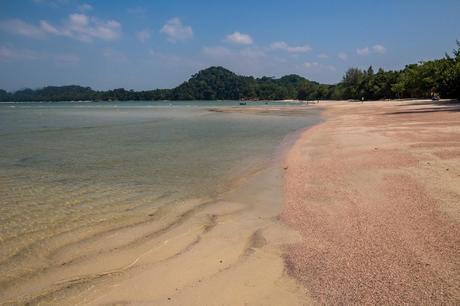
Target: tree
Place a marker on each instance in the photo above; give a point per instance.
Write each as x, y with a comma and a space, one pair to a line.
4, 95
352, 83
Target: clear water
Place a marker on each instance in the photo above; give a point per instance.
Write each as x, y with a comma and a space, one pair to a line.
69, 167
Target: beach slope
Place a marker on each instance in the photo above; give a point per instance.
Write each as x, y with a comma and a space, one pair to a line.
375, 193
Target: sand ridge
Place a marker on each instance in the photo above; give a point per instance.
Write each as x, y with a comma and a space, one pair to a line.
222, 250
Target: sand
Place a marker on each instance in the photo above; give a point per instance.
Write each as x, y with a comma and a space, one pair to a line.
374, 192
222, 250
371, 216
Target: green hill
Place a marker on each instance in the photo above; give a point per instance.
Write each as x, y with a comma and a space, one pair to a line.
422, 80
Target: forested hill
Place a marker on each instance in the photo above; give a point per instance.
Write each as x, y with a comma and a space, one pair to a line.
422, 80
217, 83
213, 83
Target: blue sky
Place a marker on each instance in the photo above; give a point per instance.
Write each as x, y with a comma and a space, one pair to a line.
159, 44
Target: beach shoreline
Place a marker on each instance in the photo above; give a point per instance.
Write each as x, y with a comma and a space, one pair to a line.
319, 223
374, 193
230, 244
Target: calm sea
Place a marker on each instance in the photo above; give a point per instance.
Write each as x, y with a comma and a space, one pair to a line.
69, 167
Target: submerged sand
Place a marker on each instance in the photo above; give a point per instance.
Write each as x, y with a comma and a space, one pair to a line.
374, 192
219, 248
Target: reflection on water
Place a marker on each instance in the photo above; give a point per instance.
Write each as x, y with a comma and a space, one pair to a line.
71, 170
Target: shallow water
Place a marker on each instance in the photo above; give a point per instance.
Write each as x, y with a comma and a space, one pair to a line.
71, 170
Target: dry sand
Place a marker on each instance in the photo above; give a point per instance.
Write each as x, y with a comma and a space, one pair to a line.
375, 193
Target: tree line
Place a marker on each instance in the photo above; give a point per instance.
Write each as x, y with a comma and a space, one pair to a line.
426, 79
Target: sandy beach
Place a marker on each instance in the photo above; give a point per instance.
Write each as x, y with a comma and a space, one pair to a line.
227, 153
361, 208
374, 192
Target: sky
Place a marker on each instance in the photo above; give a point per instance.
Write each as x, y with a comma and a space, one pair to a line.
159, 44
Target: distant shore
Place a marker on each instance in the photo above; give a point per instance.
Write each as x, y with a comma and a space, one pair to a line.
374, 192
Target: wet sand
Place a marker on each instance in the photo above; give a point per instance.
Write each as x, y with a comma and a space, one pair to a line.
374, 192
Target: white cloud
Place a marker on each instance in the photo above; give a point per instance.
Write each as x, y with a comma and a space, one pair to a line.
77, 26
48, 28
281, 45
143, 35
343, 56
79, 20
85, 28
239, 38
379, 49
318, 67
323, 55
85, 7
363, 51
310, 65
17, 26
176, 31
10, 54
245, 54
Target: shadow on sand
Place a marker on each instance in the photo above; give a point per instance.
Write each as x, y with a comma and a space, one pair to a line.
438, 106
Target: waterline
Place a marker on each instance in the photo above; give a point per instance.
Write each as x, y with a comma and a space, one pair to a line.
80, 182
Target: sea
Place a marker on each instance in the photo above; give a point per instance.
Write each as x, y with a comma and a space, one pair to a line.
73, 170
